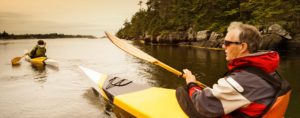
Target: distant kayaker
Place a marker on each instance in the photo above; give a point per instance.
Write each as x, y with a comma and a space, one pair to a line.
251, 87
39, 50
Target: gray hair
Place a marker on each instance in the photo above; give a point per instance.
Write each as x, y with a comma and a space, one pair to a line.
248, 34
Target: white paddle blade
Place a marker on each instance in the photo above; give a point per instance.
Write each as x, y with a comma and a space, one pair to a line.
51, 62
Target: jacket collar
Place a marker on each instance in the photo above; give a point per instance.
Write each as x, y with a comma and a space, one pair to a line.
267, 61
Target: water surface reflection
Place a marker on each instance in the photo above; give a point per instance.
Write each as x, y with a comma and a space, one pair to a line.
28, 91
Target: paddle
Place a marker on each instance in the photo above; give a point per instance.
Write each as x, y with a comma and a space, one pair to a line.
16, 60
142, 55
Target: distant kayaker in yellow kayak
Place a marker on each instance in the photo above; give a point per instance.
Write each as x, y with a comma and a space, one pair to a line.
251, 88
39, 50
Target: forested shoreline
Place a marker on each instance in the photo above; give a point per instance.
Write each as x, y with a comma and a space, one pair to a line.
163, 16
4, 35
176, 21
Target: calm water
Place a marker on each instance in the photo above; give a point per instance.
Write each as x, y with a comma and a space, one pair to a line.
29, 92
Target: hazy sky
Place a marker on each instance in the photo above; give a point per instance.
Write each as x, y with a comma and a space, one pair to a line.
91, 17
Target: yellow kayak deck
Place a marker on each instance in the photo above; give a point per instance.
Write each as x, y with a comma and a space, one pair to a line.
141, 101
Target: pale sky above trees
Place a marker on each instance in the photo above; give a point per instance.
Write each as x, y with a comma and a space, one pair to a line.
88, 17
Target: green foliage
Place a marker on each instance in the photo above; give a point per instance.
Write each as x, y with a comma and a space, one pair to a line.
164, 16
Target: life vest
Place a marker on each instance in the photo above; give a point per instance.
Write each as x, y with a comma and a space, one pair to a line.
278, 106
38, 51
276, 109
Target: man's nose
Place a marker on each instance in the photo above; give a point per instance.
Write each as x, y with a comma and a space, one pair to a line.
223, 46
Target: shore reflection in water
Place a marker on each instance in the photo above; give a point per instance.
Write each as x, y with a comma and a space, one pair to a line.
65, 91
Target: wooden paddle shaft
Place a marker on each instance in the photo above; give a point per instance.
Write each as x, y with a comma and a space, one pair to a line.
165, 66
176, 72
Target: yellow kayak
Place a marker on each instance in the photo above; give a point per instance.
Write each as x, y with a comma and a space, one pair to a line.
41, 61
38, 61
139, 100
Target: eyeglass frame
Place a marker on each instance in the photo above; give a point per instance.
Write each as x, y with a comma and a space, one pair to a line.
228, 43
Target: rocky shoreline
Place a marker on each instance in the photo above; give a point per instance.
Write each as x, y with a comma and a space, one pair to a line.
273, 38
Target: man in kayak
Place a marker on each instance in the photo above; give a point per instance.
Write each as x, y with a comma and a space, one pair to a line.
39, 50
251, 87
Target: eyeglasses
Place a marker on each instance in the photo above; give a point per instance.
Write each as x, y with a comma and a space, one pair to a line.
227, 43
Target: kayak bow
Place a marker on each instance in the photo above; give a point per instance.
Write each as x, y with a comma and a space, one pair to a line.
137, 99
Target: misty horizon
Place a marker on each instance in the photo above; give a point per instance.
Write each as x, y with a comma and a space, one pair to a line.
91, 17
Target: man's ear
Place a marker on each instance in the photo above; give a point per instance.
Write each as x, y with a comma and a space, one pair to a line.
244, 47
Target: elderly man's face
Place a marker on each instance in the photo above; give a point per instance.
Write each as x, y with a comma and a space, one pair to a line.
232, 45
